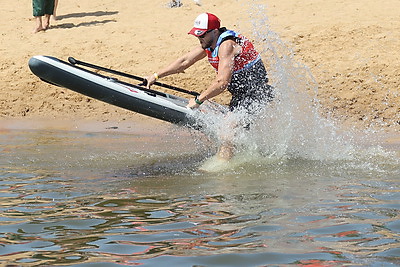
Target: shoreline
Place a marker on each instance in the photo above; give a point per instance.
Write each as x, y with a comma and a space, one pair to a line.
134, 125
389, 138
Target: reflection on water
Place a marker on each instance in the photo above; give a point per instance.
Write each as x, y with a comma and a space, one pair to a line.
76, 198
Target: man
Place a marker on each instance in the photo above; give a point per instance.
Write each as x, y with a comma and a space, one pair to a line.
238, 65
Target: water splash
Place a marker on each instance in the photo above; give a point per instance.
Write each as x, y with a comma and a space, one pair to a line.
290, 126
293, 125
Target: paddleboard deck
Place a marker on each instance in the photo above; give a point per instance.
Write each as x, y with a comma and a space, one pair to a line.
136, 98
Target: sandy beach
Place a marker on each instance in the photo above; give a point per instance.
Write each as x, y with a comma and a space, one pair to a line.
351, 48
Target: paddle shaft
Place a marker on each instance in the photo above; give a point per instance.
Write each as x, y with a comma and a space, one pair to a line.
74, 61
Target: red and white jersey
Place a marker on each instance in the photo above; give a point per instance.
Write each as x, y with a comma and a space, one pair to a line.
247, 57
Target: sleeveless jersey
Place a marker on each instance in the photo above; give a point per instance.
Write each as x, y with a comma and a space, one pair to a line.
245, 59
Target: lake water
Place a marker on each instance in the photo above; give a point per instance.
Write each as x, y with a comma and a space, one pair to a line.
134, 196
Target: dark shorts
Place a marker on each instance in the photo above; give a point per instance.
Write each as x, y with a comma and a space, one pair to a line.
249, 87
42, 7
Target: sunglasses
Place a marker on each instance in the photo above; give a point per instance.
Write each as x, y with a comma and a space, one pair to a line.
204, 34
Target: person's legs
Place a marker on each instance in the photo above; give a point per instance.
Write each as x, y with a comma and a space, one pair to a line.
55, 9
39, 25
226, 135
226, 151
46, 22
38, 12
48, 10
249, 89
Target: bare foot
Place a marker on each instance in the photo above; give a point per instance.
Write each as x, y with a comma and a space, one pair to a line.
226, 151
39, 25
46, 23
38, 29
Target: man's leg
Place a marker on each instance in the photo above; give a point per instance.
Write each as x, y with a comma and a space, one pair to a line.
48, 11
38, 12
39, 25
55, 10
226, 151
46, 22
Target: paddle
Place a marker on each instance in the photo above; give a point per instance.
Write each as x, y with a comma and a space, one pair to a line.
74, 61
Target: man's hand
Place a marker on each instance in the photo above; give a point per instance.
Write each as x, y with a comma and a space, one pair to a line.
192, 104
150, 80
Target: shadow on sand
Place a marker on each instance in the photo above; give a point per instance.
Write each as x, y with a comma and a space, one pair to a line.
84, 24
87, 14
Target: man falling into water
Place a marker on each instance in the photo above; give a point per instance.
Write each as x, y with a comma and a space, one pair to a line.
239, 68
